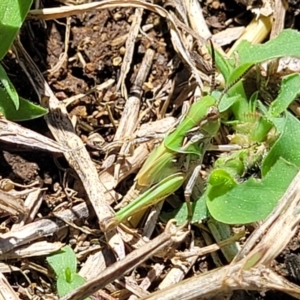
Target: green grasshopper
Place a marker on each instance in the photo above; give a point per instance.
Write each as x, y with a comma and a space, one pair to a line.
165, 169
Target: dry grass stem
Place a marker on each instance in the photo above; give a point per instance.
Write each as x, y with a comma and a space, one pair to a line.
18, 135
41, 228
130, 43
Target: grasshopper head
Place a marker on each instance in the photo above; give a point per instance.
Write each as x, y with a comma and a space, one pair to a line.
211, 124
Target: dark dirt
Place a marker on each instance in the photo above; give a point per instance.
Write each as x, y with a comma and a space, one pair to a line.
96, 49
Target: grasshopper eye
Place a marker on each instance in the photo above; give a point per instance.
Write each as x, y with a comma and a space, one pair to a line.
213, 113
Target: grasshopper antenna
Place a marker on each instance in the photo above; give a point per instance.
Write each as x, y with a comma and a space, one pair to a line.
213, 67
234, 82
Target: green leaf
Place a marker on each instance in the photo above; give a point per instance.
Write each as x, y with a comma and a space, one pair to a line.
239, 72
233, 163
289, 90
227, 102
249, 54
223, 65
12, 16
199, 210
240, 107
274, 48
286, 146
10, 89
27, 110
253, 200
220, 182
261, 129
63, 260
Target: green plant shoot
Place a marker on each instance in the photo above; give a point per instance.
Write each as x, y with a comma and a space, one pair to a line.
13, 107
64, 264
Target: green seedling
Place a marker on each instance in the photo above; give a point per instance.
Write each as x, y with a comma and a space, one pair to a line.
230, 197
64, 264
13, 107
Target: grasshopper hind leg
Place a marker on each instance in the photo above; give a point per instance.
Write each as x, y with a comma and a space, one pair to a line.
189, 189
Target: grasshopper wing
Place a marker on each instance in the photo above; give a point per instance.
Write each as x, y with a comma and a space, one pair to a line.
158, 166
